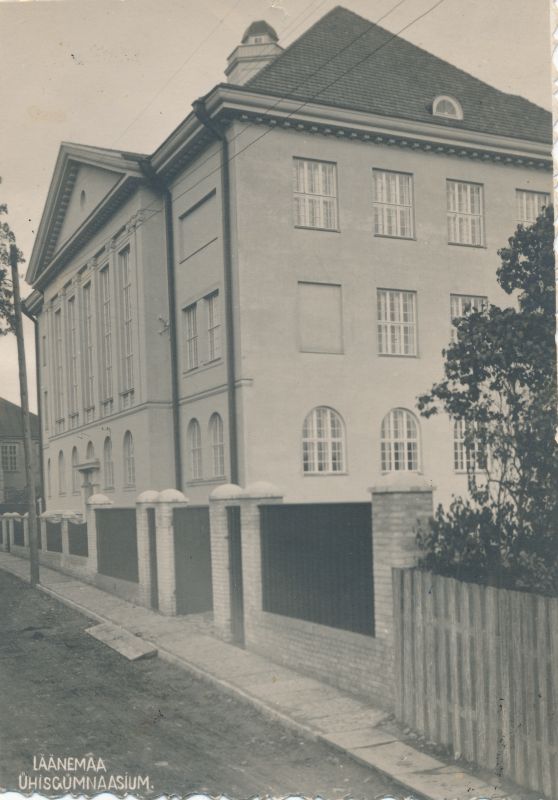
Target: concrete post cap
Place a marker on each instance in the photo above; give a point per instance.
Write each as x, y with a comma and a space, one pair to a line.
171, 496
149, 496
262, 489
11, 515
227, 491
99, 500
402, 481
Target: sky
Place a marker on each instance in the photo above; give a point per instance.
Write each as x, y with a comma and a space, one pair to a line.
123, 74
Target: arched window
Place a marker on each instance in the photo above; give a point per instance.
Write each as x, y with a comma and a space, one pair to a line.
449, 107
129, 460
49, 480
217, 445
400, 441
75, 471
323, 442
195, 450
61, 473
90, 452
108, 467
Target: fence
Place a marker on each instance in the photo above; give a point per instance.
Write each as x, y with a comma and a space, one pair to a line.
317, 564
192, 559
117, 544
77, 539
19, 539
475, 669
54, 536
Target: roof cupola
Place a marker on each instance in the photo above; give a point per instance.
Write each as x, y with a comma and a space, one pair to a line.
258, 47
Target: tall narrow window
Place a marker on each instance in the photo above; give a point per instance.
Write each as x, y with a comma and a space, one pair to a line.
129, 461
75, 471
400, 441
72, 364
397, 326
213, 326
90, 452
106, 340
530, 205
88, 359
9, 457
61, 473
462, 304
127, 334
58, 372
108, 466
393, 204
195, 450
217, 445
468, 454
315, 194
323, 442
191, 336
465, 213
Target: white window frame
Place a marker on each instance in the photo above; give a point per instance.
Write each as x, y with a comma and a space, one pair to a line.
213, 316
323, 442
127, 321
455, 113
195, 450
9, 451
58, 371
393, 204
217, 444
529, 204
461, 305
88, 349
191, 338
399, 449
106, 337
397, 322
73, 381
465, 213
315, 194
465, 459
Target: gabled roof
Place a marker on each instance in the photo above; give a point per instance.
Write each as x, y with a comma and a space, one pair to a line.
126, 171
11, 421
347, 61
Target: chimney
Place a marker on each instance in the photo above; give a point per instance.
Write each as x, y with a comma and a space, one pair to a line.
258, 47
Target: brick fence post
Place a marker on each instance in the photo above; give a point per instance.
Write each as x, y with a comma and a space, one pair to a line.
400, 500
167, 501
10, 516
144, 501
94, 502
220, 499
25, 522
254, 496
3, 528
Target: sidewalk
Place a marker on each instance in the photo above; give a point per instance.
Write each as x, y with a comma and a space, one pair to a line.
313, 708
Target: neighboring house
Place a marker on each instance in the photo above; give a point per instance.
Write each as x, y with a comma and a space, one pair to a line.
264, 297
12, 458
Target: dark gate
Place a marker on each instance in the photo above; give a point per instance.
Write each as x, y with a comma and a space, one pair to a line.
235, 575
317, 563
117, 543
152, 542
18, 533
54, 536
192, 560
77, 538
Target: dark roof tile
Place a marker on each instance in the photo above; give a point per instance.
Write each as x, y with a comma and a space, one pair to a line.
11, 422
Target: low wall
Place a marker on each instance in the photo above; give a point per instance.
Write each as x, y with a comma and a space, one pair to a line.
476, 670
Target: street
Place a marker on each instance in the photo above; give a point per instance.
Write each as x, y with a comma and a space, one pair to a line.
66, 695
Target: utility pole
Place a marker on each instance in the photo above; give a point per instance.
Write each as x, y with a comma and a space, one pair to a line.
27, 442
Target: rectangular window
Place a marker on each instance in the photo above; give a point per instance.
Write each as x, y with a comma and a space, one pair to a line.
9, 457
88, 363
72, 360
191, 336
397, 327
465, 213
530, 205
393, 204
213, 326
58, 372
126, 330
320, 317
315, 194
106, 340
467, 453
461, 304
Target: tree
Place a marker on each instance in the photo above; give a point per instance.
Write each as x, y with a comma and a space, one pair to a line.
500, 380
7, 237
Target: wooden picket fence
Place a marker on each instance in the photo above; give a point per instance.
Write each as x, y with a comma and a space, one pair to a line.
476, 669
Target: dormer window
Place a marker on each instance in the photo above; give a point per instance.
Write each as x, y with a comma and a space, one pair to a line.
449, 107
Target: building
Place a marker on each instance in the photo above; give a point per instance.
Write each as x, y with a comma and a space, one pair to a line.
12, 458
265, 295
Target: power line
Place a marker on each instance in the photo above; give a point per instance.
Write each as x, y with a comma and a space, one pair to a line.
313, 97
311, 75
180, 68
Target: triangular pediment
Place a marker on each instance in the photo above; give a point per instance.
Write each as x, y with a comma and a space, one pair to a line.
85, 180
